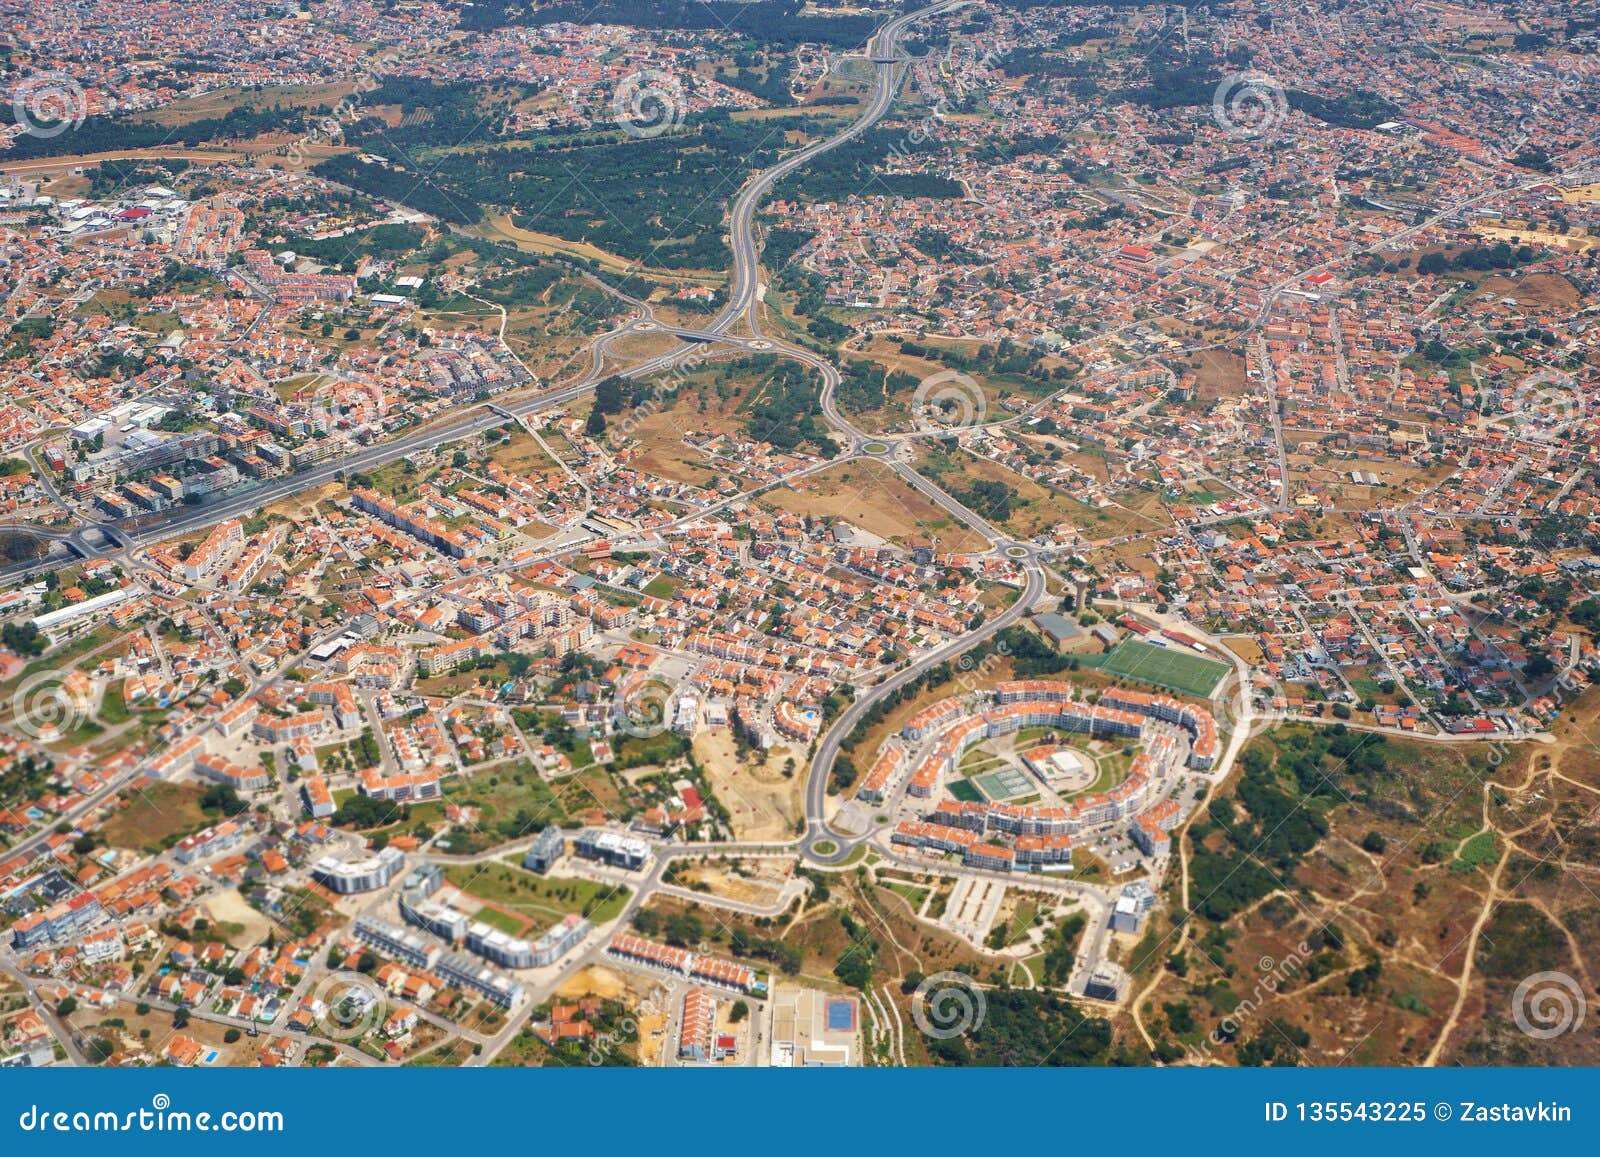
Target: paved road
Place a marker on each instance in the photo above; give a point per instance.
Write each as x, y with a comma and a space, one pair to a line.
818, 830
744, 291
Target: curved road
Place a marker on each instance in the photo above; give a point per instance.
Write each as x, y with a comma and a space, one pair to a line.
882, 49
743, 299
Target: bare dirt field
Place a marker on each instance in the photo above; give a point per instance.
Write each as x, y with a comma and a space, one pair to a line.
871, 496
763, 803
228, 907
596, 980
749, 881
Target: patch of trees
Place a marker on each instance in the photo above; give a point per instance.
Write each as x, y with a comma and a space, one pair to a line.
770, 83
787, 406
783, 244
787, 957
400, 184
386, 242
990, 499
1031, 656
1061, 952
223, 798
1478, 259
645, 199
99, 134
1029, 1028
1350, 110
23, 637
856, 167
1284, 803
942, 247
361, 811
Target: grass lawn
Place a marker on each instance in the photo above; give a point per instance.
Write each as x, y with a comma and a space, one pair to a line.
1478, 850
1113, 770
1168, 667
497, 919
428, 814
912, 893
542, 899
964, 791
1033, 966
1022, 921
661, 587
113, 708
513, 800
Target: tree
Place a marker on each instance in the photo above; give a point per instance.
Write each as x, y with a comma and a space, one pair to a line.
222, 797
596, 425
66, 1006
608, 395
854, 968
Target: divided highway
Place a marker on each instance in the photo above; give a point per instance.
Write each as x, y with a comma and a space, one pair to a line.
743, 302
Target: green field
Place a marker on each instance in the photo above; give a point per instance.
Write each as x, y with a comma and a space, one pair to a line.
542, 900
964, 791
498, 919
1177, 670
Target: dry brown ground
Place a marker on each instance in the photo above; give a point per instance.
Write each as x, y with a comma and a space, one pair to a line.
758, 880
1451, 940
871, 496
762, 803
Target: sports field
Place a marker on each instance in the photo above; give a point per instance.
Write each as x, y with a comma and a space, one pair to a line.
964, 791
1170, 667
1004, 784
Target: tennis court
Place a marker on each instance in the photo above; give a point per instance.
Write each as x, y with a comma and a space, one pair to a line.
1003, 784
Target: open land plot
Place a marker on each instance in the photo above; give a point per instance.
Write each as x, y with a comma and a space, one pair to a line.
154, 814
871, 496
763, 803
506, 886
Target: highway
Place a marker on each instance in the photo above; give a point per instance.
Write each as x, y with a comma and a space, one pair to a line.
744, 290
743, 303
